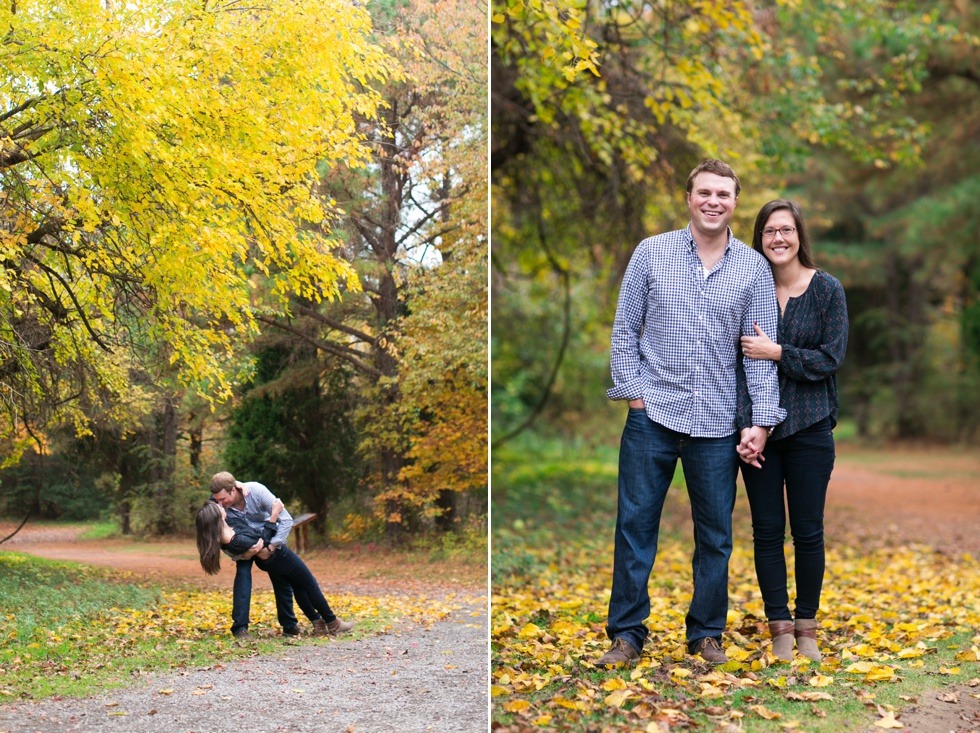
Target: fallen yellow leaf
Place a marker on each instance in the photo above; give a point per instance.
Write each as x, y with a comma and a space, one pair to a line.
613, 683
877, 674
617, 698
763, 712
517, 706
889, 721
708, 690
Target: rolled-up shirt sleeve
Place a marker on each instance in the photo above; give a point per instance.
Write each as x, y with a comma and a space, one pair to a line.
762, 375
264, 499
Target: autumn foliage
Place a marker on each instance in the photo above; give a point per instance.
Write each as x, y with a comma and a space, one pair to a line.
154, 158
888, 613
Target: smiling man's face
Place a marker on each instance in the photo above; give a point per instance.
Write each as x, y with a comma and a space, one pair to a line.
712, 203
225, 498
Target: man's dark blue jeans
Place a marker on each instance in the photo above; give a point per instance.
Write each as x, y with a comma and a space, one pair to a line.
647, 458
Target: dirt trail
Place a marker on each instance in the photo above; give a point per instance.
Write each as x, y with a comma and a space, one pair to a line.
368, 570
907, 495
413, 678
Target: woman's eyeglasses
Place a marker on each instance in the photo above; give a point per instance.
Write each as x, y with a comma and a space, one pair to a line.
770, 233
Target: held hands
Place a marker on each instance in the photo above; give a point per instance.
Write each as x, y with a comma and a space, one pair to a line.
752, 444
761, 346
265, 553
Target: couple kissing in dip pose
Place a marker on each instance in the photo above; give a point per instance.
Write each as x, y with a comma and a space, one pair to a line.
249, 524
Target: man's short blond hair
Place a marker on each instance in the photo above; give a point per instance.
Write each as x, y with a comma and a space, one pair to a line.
223, 481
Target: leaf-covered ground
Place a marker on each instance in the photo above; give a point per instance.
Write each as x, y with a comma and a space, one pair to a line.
897, 618
73, 641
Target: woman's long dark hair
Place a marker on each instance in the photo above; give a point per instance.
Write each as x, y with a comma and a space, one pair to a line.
209, 537
805, 255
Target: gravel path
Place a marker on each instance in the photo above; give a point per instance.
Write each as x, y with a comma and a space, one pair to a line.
425, 679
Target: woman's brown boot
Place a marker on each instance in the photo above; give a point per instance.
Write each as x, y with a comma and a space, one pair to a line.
806, 638
782, 639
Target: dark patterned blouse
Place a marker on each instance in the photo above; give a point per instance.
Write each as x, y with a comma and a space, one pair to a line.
813, 334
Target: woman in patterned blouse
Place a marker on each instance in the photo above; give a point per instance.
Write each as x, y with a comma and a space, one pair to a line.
799, 453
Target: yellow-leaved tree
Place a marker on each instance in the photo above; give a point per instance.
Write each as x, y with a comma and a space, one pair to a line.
155, 159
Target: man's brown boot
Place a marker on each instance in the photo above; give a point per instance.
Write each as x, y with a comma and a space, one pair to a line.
337, 626
806, 638
621, 653
710, 650
783, 635
319, 627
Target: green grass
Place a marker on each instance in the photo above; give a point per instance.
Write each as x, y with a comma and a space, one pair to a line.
545, 491
37, 594
69, 629
102, 530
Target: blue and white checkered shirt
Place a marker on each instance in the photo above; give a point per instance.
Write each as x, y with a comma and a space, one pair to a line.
675, 339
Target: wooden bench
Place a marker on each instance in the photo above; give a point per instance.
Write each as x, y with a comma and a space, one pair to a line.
299, 524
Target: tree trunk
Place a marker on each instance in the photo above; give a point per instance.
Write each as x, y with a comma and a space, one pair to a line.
163, 446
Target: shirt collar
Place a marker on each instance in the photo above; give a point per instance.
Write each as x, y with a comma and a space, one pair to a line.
689, 235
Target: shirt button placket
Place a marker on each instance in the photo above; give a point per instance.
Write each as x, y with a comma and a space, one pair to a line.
698, 407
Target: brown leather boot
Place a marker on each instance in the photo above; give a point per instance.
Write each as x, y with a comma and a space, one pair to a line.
806, 638
319, 627
782, 633
337, 626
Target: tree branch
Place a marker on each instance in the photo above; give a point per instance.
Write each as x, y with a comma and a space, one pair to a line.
340, 352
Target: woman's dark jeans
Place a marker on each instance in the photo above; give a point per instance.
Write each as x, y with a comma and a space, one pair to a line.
801, 462
242, 600
647, 458
286, 565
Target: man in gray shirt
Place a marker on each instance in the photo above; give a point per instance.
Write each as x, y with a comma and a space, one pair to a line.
253, 501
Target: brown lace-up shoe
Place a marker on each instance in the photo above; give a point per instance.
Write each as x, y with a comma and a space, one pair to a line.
320, 627
710, 650
622, 653
337, 626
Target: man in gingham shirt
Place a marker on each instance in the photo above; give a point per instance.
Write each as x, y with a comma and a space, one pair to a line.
686, 299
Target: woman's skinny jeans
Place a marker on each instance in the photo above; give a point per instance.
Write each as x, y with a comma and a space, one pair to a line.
286, 564
801, 462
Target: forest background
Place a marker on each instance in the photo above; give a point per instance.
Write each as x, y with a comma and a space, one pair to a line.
867, 114
245, 238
